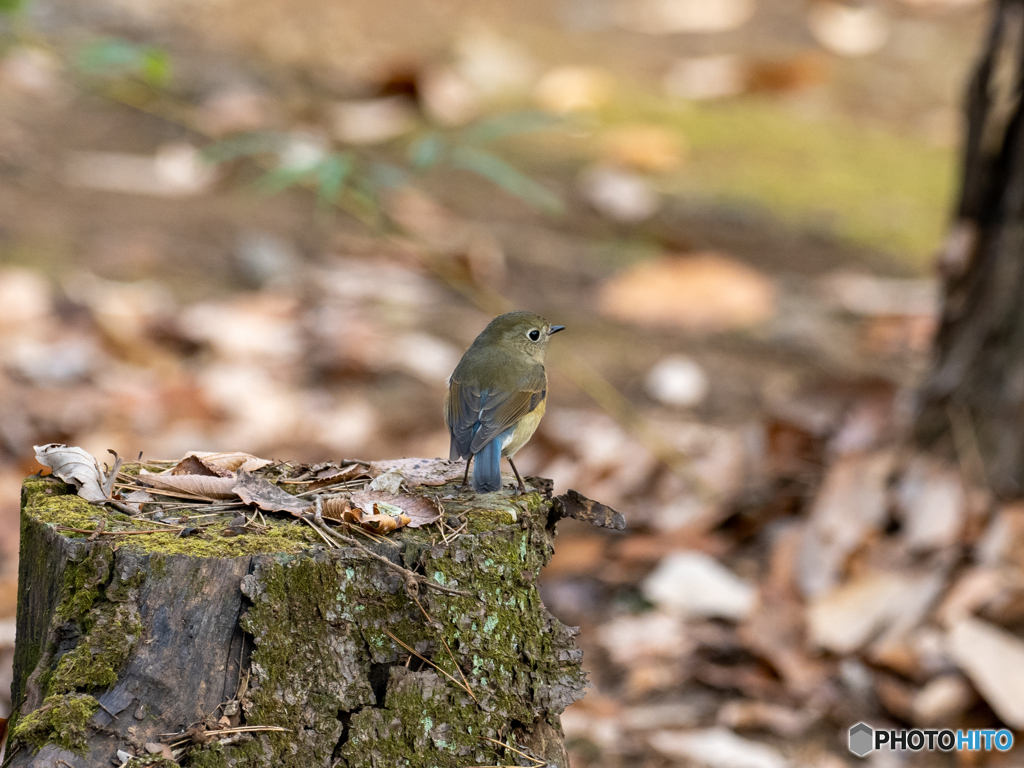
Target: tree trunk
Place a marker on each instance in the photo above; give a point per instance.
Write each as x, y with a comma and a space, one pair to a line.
973, 400
127, 640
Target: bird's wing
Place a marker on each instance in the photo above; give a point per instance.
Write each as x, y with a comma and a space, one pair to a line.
475, 416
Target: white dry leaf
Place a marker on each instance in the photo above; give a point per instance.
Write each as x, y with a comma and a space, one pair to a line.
176, 170
717, 76
390, 482
136, 499
75, 466
993, 659
652, 635
678, 381
619, 195
663, 17
849, 30
695, 584
372, 121
717, 747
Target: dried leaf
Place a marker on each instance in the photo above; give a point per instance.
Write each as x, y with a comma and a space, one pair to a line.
421, 471
384, 523
202, 486
703, 292
389, 482
226, 463
993, 659
332, 475
421, 510
375, 516
192, 465
267, 496
74, 466
136, 499
338, 509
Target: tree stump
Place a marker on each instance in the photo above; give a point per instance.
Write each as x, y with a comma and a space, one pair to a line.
274, 650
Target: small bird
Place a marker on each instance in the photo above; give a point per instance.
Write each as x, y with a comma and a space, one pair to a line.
497, 394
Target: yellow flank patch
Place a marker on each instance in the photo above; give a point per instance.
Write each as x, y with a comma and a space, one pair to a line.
524, 430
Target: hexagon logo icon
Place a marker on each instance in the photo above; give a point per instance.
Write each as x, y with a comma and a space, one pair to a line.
862, 738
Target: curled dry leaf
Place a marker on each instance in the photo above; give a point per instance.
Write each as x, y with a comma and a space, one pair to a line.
390, 518
421, 510
224, 464
208, 487
267, 496
332, 475
420, 471
373, 515
339, 509
74, 466
192, 465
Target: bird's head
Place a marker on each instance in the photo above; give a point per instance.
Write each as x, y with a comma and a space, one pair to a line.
521, 332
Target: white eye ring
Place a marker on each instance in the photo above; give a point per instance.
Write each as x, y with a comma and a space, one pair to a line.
533, 335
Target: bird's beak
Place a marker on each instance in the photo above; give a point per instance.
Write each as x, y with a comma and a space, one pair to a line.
555, 329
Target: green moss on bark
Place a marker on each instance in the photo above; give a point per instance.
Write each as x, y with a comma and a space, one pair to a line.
54, 503
60, 721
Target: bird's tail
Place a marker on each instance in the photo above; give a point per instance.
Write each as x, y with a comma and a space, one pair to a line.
487, 468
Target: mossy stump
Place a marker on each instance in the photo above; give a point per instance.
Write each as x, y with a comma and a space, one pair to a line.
125, 640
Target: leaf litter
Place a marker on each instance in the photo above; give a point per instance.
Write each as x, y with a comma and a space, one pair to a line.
371, 498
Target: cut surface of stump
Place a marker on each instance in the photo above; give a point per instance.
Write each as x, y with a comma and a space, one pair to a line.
272, 649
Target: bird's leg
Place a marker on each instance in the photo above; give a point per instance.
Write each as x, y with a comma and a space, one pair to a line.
465, 477
522, 488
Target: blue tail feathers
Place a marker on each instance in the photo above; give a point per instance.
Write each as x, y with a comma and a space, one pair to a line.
487, 465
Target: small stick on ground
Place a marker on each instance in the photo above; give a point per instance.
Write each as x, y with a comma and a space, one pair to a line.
428, 661
118, 533
455, 662
99, 530
413, 581
513, 749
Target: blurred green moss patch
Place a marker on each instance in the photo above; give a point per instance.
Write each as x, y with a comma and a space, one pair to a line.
874, 188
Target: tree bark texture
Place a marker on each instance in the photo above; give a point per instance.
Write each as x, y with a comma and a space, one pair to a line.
123, 643
973, 399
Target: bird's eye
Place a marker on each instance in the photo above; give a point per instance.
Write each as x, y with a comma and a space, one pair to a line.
533, 335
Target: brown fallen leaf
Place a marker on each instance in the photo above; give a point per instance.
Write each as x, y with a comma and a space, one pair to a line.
225, 463
333, 475
202, 486
704, 292
421, 510
193, 465
267, 496
421, 471
384, 523
783, 721
338, 508
74, 466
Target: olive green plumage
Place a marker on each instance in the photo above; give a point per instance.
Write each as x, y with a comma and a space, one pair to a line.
497, 393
